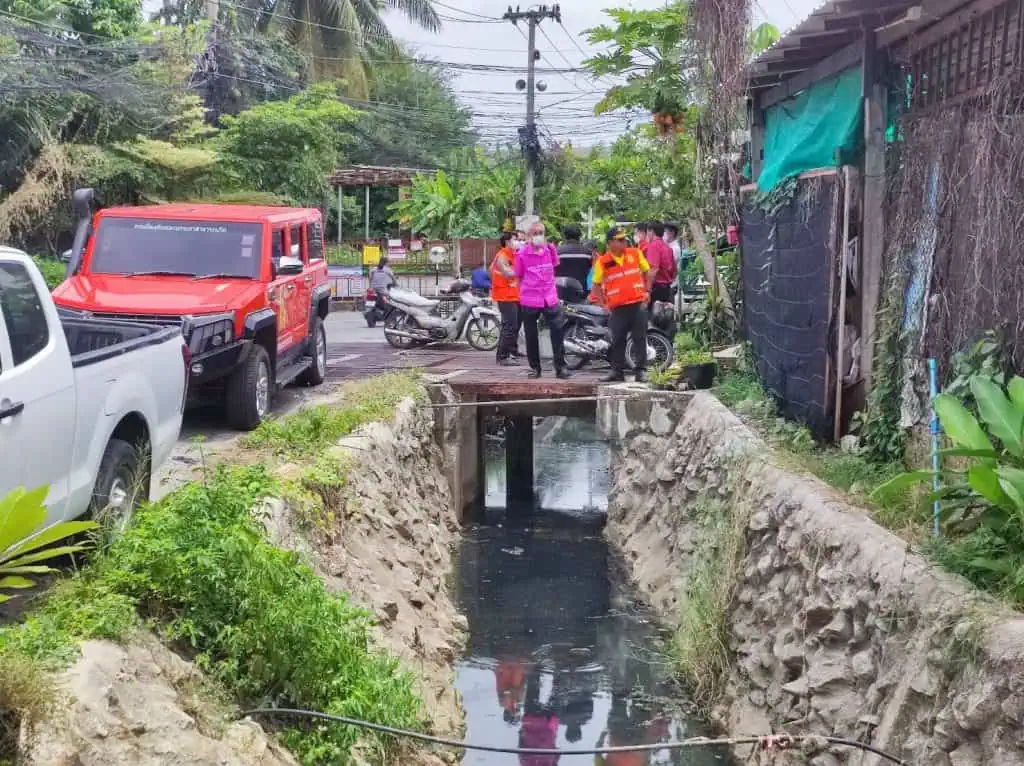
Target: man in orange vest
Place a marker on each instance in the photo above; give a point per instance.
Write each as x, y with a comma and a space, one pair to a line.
622, 282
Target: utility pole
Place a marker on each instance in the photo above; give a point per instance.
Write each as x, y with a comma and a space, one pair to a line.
528, 135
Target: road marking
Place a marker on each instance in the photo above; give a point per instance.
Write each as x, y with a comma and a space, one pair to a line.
342, 360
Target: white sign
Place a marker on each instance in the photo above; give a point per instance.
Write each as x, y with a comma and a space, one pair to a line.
437, 255
396, 251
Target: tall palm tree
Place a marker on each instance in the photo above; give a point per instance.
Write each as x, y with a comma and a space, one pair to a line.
343, 36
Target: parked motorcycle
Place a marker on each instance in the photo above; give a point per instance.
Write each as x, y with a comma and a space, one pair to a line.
378, 307
588, 337
417, 321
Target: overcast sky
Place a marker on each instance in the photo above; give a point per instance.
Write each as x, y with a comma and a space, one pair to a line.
565, 110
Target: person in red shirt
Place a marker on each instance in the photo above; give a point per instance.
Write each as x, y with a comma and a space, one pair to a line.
662, 262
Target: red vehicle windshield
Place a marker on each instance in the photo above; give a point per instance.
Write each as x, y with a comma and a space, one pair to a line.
190, 248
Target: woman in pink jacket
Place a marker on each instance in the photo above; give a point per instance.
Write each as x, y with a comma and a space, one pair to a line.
535, 268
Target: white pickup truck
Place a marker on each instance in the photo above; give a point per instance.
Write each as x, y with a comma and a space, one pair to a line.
88, 407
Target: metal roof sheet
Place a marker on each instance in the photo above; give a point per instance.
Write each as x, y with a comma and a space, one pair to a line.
828, 29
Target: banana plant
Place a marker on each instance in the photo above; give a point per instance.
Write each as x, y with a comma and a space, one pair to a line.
989, 487
23, 548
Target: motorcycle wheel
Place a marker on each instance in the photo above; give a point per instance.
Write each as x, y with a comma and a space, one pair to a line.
483, 333
398, 321
663, 351
575, 361
371, 320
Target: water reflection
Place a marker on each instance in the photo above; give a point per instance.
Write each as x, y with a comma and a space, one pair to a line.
570, 465
558, 654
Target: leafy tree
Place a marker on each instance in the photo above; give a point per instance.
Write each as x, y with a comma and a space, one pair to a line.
652, 51
649, 49
445, 207
343, 34
239, 70
763, 37
640, 177
287, 147
405, 94
113, 19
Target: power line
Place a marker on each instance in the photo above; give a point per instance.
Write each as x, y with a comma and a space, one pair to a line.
467, 11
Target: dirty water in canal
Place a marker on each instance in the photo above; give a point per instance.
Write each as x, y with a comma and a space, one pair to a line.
559, 654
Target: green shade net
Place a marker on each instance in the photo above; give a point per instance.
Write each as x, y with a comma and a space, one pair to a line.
820, 127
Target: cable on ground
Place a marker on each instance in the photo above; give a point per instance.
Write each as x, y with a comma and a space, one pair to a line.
772, 743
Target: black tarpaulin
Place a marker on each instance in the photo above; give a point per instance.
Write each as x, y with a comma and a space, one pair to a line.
788, 261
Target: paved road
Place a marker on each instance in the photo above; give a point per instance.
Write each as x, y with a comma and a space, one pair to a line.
354, 352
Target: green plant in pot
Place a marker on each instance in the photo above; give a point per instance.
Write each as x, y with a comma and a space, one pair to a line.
698, 368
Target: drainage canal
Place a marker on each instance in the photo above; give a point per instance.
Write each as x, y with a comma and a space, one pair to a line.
559, 654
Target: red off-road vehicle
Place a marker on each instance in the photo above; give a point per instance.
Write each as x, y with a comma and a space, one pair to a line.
246, 284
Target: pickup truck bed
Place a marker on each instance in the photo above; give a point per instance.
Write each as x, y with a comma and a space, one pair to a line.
95, 340
88, 406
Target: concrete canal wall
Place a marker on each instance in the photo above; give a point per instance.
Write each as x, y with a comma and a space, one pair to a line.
834, 625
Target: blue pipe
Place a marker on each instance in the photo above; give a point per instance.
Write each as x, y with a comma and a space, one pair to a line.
933, 384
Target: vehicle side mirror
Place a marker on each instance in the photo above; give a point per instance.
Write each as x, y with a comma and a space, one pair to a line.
289, 265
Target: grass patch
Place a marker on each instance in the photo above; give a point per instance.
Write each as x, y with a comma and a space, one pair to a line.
848, 472
311, 429
27, 696
199, 568
700, 645
315, 496
52, 269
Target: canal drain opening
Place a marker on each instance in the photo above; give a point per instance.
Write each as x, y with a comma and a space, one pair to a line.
560, 653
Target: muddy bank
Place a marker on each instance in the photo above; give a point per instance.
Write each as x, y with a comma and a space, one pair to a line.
833, 624
389, 546
143, 704
381, 531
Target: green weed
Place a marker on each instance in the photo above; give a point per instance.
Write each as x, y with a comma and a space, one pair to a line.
76, 610
853, 473
315, 496
700, 645
259, 618
52, 269
313, 428
27, 695
256, 619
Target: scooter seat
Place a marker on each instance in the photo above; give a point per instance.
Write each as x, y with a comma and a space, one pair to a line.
409, 298
589, 309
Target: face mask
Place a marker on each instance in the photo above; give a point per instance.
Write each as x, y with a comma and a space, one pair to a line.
538, 240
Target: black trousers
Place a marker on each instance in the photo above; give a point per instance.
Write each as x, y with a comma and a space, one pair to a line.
628, 321
511, 321
556, 323
662, 292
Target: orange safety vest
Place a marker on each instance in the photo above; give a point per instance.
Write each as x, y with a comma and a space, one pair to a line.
503, 289
624, 283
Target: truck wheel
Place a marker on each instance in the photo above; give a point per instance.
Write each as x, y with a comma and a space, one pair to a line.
249, 391
316, 373
121, 485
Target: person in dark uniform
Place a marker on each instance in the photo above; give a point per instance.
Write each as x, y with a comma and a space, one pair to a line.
574, 258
